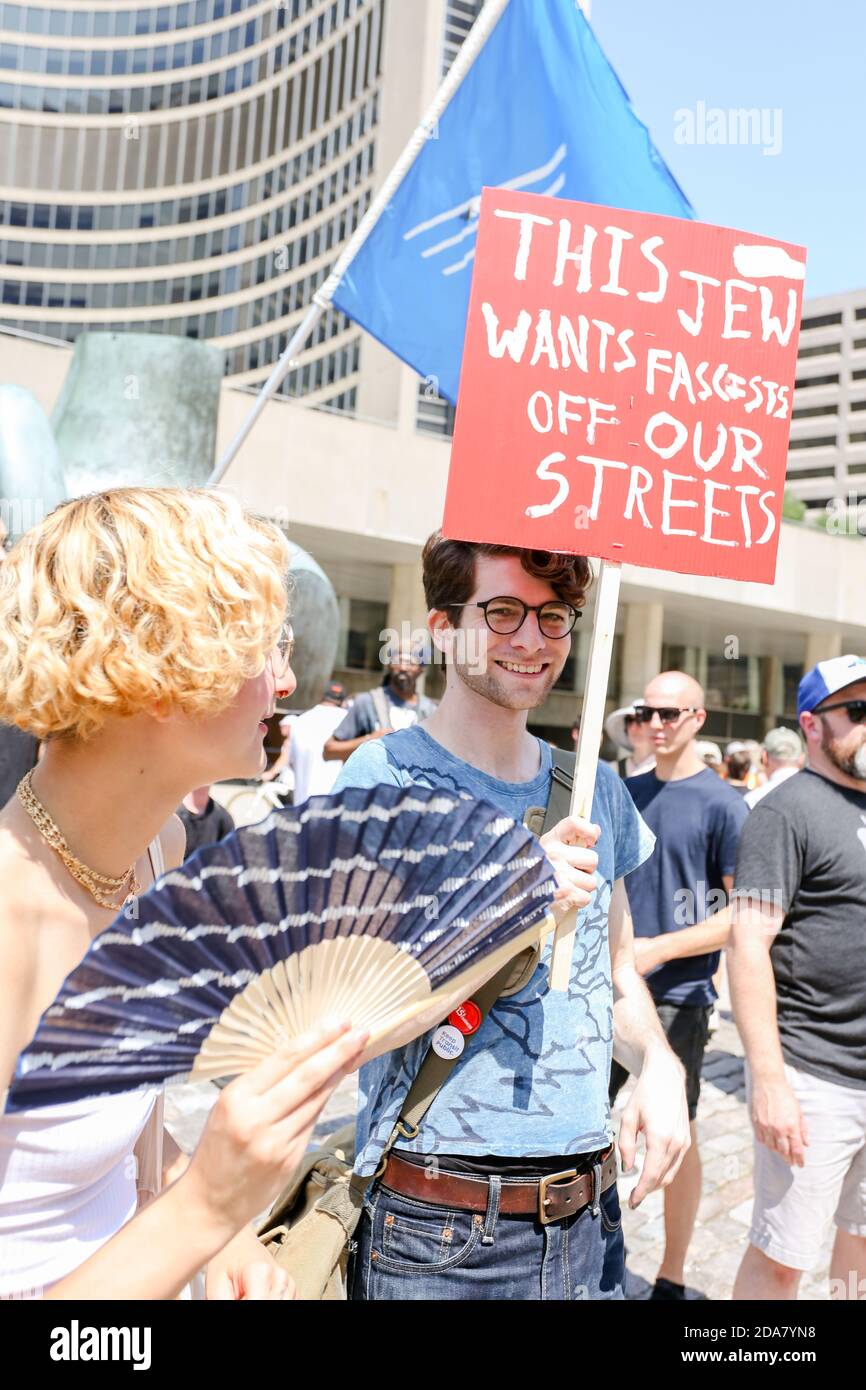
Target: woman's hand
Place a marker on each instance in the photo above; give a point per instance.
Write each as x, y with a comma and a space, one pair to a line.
244, 1270
259, 1129
568, 846
260, 1279
253, 1141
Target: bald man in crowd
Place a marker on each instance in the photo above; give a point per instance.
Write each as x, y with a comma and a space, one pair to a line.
678, 900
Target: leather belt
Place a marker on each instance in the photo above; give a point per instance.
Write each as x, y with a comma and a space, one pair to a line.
550, 1198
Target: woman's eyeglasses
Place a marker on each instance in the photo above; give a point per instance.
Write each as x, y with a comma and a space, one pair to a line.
668, 714
505, 616
855, 709
284, 648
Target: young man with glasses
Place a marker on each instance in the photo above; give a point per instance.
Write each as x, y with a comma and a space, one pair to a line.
507, 1189
798, 980
675, 899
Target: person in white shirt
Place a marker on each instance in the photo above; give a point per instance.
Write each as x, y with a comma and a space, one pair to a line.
301, 767
782, 755
307, 738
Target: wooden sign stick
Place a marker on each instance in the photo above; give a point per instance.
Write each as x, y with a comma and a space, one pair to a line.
591, 722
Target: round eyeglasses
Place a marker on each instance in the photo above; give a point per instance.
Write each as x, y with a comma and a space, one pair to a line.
284, 648
506, 615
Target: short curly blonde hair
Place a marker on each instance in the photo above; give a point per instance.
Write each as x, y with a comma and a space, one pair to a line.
133, 598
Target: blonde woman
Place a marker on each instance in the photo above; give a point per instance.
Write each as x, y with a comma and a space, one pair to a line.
140, 639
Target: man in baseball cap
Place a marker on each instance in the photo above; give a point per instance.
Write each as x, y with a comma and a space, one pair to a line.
798, 981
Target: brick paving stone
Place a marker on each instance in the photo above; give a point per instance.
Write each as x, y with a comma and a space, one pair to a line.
720, 1122
742, 1213
720, 1201
729, 1143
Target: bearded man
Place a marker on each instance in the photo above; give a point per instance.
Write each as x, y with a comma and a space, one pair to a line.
798, 979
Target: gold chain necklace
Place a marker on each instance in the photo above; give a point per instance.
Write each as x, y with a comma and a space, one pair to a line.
102, 887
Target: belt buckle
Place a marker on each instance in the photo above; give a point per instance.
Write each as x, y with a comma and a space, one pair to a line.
543, 1199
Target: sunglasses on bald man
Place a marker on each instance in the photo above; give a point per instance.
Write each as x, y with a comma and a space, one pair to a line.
668, 714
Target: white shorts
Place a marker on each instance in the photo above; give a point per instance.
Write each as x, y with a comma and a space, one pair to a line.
796, 1207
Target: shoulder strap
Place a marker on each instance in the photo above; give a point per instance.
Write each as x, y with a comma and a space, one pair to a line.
157, 859
381, 705
540, 819
561, 783
435, 1070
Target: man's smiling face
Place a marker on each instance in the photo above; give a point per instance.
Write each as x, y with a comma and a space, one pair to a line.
520, 668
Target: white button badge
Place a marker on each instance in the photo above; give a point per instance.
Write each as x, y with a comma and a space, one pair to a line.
448, 1042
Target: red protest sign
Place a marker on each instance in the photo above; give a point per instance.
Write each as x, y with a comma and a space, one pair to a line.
626, 387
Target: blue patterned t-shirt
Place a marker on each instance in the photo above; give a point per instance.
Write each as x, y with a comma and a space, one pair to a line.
534, 1080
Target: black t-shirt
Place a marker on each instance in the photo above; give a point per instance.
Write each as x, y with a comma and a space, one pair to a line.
213, 823
804, 847
697, 823
17, 756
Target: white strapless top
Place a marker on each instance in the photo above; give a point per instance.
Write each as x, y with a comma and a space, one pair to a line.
67, 1180
67, 1185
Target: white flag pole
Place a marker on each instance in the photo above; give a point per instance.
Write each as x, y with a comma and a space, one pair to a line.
591, 724
425, 130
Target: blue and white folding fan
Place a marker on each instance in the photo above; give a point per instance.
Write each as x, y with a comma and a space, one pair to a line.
383, 907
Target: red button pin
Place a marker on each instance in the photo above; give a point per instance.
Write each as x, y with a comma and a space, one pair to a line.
467, 1018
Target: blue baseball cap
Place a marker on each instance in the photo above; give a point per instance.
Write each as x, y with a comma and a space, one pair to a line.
827, 678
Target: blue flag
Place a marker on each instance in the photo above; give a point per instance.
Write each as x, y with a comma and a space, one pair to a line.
540, 109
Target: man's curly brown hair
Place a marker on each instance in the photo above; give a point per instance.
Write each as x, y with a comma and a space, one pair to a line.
449, 572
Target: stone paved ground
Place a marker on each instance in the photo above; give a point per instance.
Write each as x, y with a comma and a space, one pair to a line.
725, 1141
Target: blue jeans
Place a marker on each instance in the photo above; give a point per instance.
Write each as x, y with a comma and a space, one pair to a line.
414, 1250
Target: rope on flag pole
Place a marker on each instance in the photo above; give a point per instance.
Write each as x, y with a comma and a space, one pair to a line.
591, 722
478, 36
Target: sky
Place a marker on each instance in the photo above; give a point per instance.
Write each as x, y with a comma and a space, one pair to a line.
804, 65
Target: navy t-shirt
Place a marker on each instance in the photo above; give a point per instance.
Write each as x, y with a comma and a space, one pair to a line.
697, 823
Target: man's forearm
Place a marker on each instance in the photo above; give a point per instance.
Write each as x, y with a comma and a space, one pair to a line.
753, 995
339, 749
701, 940
636, 1026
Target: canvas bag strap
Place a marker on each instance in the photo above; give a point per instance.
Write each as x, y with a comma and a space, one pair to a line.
561, 783
540, 819
432, 1075
381, 705
436, 1070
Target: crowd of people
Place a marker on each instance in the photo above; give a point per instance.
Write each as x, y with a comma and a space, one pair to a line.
144, 644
